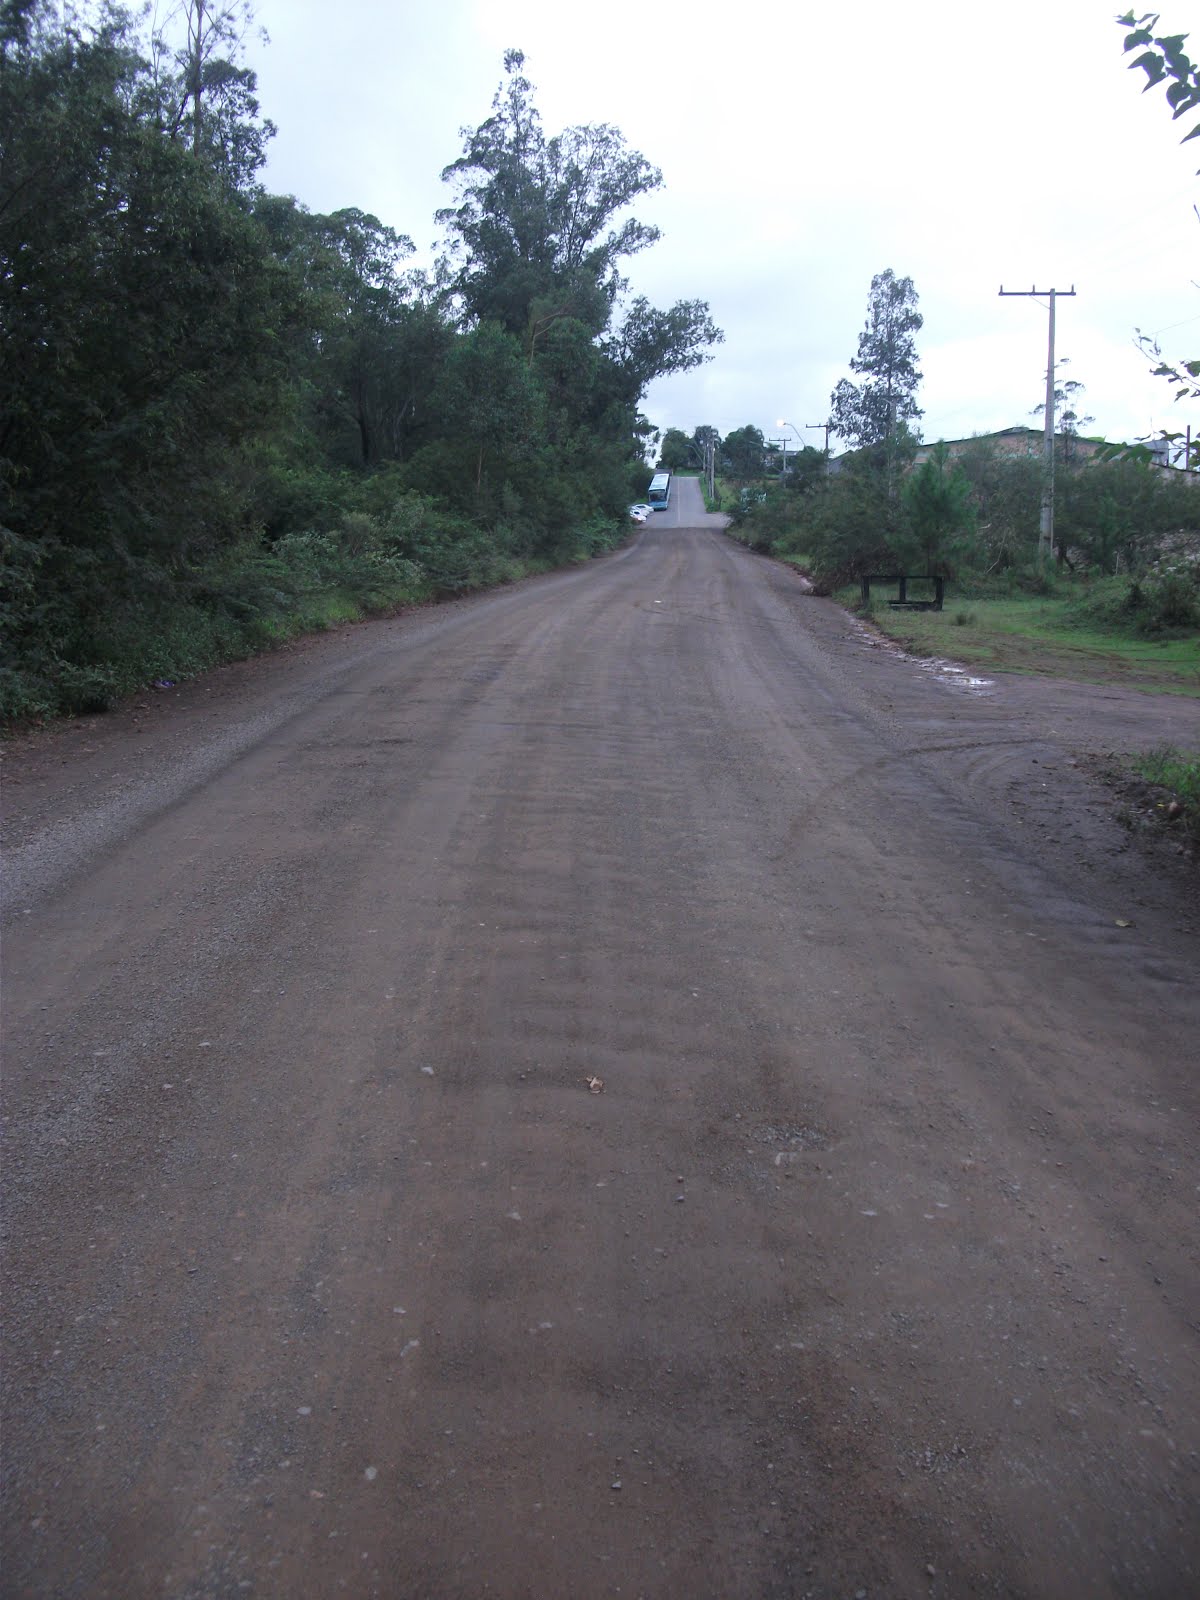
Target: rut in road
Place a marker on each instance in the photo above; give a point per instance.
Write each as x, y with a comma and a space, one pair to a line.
873, 1265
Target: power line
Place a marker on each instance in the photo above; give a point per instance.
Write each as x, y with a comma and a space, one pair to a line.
1172, 325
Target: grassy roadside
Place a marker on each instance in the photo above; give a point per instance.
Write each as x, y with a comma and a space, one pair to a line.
726, 500
1177, 776
1158, 793
1042, 634
1057, 636
255, 599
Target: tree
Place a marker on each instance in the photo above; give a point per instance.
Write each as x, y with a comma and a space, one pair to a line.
1116, 514
675, 451
1163, 61
744, 451
1068, 407
200, 93
870, 412
808, 471
653, 344
1007, 493
938, 511
536, 238
350, 264
490, 402
842, 527
140, 304
194, 369
535, 216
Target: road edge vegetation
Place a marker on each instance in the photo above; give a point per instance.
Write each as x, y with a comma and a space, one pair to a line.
226, 420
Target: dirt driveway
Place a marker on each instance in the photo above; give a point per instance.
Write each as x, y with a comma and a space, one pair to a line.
619, 1087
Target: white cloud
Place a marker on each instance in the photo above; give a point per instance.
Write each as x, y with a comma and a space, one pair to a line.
803, 152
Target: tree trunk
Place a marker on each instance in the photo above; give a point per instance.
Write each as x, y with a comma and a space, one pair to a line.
197, 59
364, 426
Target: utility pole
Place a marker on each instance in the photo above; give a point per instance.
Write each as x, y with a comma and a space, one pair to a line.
708, 461
783, 442
1046, 532
811, 427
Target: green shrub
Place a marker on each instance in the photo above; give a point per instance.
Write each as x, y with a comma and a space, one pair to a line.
1169, 596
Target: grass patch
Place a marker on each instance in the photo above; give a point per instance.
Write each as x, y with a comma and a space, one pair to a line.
1177, 775
796, 558
728, 496
1047, 634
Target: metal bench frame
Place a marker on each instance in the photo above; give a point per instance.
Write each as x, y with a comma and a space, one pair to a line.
904, 579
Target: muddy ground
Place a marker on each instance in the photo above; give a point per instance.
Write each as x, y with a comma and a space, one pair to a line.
622, 1086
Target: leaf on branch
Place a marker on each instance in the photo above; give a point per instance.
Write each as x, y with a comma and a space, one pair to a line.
1152, 66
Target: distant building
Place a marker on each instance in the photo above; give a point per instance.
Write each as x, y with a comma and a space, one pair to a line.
1073, 448
1019, 442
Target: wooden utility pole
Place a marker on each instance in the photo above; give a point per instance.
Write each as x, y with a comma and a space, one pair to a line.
828, 426
1046, 532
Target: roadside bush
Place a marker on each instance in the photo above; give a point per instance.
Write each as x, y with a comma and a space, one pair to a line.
1164, 599
598, 534
287, 495
248, 599
1168, 596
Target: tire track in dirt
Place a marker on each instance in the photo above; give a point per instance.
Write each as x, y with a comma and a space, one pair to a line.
876, 1252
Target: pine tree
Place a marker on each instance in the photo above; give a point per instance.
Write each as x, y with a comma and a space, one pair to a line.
871, 412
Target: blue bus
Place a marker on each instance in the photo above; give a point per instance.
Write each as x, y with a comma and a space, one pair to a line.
660, 491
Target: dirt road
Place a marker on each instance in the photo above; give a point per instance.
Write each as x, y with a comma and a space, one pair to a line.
870, 1269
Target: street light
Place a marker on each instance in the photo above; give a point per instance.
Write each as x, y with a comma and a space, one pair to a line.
782, 422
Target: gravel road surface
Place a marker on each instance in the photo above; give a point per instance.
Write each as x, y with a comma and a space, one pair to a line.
622, 1086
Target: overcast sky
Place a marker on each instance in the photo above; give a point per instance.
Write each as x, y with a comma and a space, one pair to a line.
804, 149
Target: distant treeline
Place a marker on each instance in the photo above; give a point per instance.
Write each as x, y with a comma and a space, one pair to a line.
224, 418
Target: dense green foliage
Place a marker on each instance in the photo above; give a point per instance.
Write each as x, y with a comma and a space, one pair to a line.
743, 452
938, 515
974, 519
675, 451
224, 418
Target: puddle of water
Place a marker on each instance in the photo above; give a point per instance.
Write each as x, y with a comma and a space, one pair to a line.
948, 672
959, 676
